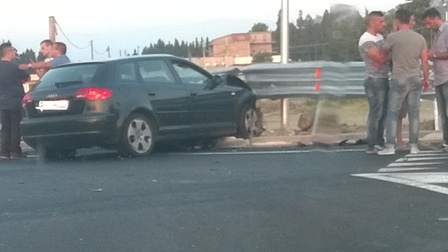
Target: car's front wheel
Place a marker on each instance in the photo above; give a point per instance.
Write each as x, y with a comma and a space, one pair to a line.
138, 137
249, 125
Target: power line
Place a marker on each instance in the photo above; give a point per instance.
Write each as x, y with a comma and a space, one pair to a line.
63, 33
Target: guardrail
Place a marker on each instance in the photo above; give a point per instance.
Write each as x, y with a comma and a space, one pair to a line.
305, 79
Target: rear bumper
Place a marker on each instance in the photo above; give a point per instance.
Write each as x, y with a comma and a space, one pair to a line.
71, 131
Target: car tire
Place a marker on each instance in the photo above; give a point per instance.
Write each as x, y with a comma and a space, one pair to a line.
249, 123
138, 136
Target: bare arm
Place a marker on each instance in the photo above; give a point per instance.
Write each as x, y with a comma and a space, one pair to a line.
432, 55
425, 68
377, 55
40, 65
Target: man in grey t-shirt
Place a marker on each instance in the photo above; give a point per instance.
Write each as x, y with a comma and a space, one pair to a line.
439, 56
408, 50
376, 82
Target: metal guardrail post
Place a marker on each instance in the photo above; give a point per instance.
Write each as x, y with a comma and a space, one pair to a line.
285, 114
436, 116
316, 116
285, 59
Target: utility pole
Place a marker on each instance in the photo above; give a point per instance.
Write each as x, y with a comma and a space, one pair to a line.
91, 49
108, 52
52, 28
285, 56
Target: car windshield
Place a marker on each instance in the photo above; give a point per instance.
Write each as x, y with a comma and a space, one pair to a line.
67, 76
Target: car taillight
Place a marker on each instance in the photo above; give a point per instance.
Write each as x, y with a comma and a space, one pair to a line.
27, 99
94, 94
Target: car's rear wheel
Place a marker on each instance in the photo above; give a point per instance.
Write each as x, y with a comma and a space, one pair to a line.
138, 137
249, 124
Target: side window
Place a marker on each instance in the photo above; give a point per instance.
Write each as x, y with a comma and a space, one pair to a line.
155, 71
190, 75
126, 72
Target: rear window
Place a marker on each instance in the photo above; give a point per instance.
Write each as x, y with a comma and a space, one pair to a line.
68, 76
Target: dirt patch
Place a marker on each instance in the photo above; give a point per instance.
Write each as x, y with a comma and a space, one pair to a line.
337, 116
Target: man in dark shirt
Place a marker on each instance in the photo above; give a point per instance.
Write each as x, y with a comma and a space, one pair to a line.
12, 77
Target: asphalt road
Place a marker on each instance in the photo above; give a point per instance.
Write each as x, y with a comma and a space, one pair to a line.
294, 199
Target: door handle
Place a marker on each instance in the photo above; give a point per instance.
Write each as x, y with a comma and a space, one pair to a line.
193, 94
152, 93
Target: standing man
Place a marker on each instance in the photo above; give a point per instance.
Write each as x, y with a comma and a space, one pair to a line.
11, 94
58, 53
439, 55
376, 83
46, 47
408, 48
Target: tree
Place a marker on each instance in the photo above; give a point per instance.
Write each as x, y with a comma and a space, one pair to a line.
261, 57
259, 27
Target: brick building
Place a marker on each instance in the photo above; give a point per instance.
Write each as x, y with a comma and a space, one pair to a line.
236, 49
241, 44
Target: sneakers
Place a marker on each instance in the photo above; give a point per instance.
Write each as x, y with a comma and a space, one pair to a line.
389, 150
414, 149
4, 157
374, 149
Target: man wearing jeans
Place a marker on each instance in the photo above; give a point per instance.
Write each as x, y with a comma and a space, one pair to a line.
376, 83
439, 55
407, 49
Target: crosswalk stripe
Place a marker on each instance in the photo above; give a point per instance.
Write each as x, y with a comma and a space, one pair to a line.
411, 159
413, 164
386, 170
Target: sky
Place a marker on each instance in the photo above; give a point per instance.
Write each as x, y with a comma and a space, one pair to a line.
124, 27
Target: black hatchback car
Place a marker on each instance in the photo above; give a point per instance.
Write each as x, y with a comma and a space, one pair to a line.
131, 103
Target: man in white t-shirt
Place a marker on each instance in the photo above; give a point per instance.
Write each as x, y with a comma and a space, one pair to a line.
376, 83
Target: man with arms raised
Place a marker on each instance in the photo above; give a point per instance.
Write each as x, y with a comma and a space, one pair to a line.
58, 53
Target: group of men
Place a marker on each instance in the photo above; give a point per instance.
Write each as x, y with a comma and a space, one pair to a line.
406, 54
12, 77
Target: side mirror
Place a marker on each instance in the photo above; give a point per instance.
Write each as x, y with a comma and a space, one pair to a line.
215, 82
217, 79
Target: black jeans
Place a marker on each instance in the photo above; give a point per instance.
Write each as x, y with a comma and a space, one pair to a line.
10, 135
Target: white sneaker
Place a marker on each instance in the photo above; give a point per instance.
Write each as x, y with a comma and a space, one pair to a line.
389, 150
414, 149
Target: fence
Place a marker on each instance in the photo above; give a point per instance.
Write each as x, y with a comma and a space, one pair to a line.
316, 79
305, 79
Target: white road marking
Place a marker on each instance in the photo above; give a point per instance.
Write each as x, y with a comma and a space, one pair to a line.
405, 171
385, 170
263, 152
404, 181
411, 159
427, 154
414, 164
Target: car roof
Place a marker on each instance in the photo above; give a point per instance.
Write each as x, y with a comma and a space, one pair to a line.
146, 56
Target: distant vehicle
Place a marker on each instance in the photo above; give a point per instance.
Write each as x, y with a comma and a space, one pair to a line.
130, 104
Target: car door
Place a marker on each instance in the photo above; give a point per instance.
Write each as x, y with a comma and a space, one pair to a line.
168, 98
212, 108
